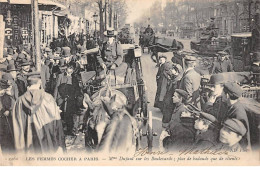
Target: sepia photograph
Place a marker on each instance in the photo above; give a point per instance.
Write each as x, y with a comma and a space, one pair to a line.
129, 82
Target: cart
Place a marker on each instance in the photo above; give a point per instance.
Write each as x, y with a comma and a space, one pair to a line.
133, 88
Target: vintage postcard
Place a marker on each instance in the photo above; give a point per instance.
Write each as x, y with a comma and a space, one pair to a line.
129, 82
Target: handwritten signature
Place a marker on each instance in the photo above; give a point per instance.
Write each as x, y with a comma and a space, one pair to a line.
145, 151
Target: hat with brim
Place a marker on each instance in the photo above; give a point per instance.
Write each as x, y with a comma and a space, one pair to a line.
33, 75
182, 93
66, 51
10, 68
190, 58
7, 77
10, 51
233, 89
216, 79
62, 64
58, 50
208, 117
110, 33
222, 53
47, 49
236, 126
24, 62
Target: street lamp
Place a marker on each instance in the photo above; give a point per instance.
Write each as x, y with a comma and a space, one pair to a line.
95, 17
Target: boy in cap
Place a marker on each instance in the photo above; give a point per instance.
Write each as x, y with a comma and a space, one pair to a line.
9, 57
231, 134
159, 79
190, 81
6, 105
236, 109
182, 135
223, 63
37, 107
207, 128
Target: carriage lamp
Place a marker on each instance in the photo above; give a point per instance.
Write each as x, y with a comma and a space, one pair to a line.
95, 17
9, 18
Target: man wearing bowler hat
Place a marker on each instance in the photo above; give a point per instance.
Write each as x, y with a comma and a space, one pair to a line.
39, 108
190, 81
217, 104
11, 74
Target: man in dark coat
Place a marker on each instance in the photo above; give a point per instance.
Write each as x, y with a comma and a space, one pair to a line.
182, 135
36, 120
190, 81
6, 105
65, 92
223, 64
159, 79
45, 74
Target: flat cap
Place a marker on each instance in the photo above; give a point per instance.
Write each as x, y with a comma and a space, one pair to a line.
233, 89
182, 93
222, 53
7, 77
236, 126
208, 117
190, 58
33, 75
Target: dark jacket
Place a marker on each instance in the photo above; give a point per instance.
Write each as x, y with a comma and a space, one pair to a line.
221, 67
207, 139
159, 80
21, 82
182, 135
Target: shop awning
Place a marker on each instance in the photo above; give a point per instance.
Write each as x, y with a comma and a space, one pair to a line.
60, 13
41, 2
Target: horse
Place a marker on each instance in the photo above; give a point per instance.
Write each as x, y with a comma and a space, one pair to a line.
107, 131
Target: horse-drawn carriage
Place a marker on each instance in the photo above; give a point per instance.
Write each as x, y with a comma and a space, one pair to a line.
210, 43
128, 93
126, 35
164, 44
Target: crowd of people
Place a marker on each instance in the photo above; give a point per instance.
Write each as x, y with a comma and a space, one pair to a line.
224, 121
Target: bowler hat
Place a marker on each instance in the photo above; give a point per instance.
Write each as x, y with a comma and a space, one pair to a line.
233, 89
182, 93
25, 62
190, 58
216, 79
110, 32
58, 50
236, 126
66, 51
11, 67
222, 53
10, 51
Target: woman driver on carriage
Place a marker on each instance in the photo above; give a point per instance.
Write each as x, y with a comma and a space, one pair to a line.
111, 55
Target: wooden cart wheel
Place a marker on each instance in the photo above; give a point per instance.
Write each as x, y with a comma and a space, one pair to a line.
150, 131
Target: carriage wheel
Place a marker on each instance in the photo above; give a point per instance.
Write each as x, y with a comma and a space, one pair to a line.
150, 131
